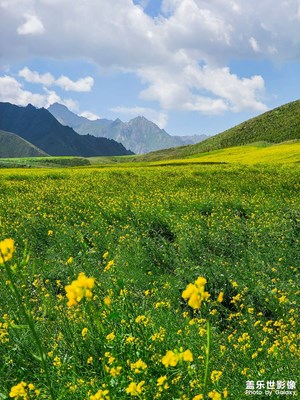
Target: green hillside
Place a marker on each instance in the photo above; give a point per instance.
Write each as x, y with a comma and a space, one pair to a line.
12, 146
278, 125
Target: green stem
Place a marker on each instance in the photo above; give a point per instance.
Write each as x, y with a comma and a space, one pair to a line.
30, 323
207, 354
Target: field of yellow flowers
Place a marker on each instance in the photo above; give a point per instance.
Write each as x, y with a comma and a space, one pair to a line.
174, 282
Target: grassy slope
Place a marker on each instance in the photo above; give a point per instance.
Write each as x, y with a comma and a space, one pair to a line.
275, 126
12, 145
257, 153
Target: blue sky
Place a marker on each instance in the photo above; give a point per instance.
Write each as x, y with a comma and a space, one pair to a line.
191, 66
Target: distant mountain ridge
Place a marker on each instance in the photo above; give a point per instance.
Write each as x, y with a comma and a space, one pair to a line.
139, 134
13, 146
40, 128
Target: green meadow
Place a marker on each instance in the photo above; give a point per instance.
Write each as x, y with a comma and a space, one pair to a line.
100, 296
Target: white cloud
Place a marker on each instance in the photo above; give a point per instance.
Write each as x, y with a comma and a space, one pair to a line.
46, 79
207, 89
254, 45
81, 85
238, 93
89, 115
182, 56
65, 83
194, 27
12, 91
120, 33
32, 26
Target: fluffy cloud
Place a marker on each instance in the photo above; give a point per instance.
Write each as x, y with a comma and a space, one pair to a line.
82, 85
210, 90
12, 91
32, 26
89, 115
182, 55
120, 33
46, 79
254, 44
65, 83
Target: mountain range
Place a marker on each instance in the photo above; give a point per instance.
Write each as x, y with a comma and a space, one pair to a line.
139, 134
28, 132
42, 130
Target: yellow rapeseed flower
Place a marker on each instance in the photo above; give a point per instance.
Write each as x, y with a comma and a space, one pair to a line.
101, 395
187, 356
109, 265
282, 299
19, 390
220, 297
214, 395
159, 336
107, 301
222, 348
170, 359
142, 319
70, 260
80, 288
135, 389
161, 380
215, 376
84, 332
7, 248
138, 366
57, 362
195, 293
115, 371
111, 336
130, 339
